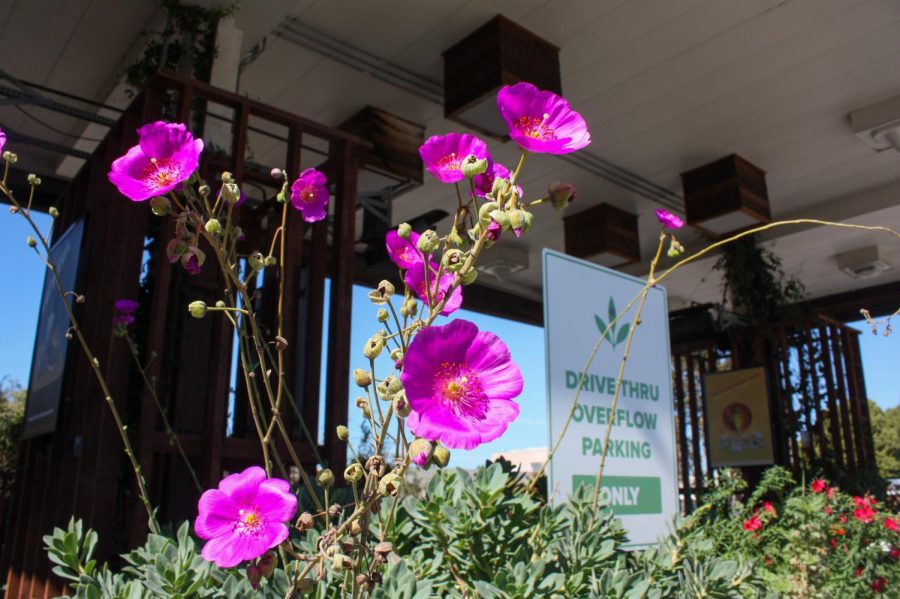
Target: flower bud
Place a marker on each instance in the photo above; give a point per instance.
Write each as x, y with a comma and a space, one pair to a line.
267, 564
355, 528
197, 309
428, 242
362, 377
270, 261
372, 348
389, 484
456, 239
453, 260
343, 433
382, 315
484, 212
363, 406
412, 306
220, 304
354, 473
501, 218
305, 521
325, 478
213, 227
204, 190
499, 186
381, 294
561, 195
420, 452
277, 173
256, 261
441, 456
396, 354
254, 576
231, 193
34, 179
404, 230
469, 276
53, 212
340, 562
31, 241
389, 387
516, 219
472, 165
401, 405
227, 177
10, 157
160, 206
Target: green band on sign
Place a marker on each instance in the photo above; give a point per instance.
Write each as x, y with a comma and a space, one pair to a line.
626, 494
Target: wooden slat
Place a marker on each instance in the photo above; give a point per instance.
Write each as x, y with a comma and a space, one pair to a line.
695, 424
834, 419
681, 433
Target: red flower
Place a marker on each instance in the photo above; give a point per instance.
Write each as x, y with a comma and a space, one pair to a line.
818, 485
830, 493
879, 585
891, 524
895, 553
828, 510
839, 532
859, 570
861, 501
768, 507
751, 524
834, 543
864, 514
842, 518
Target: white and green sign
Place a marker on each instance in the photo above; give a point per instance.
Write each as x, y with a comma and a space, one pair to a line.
640, 478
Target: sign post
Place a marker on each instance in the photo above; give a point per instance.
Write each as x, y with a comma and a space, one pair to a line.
640, 477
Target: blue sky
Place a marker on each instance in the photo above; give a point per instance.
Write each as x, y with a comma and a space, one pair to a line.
23, 277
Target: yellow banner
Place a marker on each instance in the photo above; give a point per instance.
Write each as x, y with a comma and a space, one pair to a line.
737, 415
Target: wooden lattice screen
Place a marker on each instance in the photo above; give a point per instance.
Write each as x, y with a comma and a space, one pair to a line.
818, 399
80, 468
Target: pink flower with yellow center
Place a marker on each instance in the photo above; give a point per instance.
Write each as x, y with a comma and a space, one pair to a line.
309, 195
540, 121
415, 279
443, 154
244, 517
403, 252
166, 155
460, 383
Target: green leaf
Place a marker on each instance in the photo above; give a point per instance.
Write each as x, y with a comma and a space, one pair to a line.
623, 334
601, 326
612, 309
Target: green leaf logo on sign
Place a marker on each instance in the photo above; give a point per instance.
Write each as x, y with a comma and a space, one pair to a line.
615, 337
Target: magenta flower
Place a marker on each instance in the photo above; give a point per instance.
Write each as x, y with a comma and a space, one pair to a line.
484, 182
125, 309
166, 155
421, 459
415, 280
403, 252
667, 219
244, 517
540, 121
460, 384
443, 154
494, 230
310, 196
2, 140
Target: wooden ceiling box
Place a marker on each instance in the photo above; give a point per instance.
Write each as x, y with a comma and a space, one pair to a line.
498, 53
395, 143
603, 234
725, 196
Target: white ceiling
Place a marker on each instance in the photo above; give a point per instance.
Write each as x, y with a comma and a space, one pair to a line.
665, 86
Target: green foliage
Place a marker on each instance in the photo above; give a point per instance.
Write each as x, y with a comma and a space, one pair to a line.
886, 435
12, 411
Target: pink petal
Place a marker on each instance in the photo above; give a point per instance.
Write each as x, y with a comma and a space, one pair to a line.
242, 487
217, 514
276, 505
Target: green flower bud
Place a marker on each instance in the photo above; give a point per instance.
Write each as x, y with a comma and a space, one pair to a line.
227, 177
501, 218
456, 239
420, 452
469, 277
441, 456
343, 433
561, 195
404, 230
381, 294
428, 242
277, 173
453, 260
516, 219
401, 404
34, 180
213, 227
412, 306
362, 377
231, 193
325, 478
10, 157
383, 315
372, 348
397, 354
500, 184
363, 406
389, 484
53, 212
204, 190
160, 206
472, 165
256, 261
528, 219
354, 473
270, 261
220, 304
31, 241
197, 309
484, 213
389, 387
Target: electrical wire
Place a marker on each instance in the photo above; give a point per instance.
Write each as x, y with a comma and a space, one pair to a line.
54, 129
